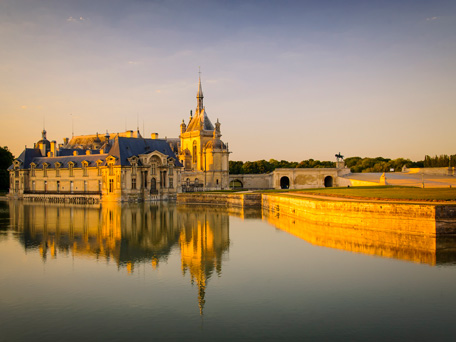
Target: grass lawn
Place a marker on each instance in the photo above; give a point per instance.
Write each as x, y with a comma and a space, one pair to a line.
387, 192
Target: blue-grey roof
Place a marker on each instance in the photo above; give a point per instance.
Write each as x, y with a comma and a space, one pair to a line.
77, 160
27, 156
69, 151
122, 149
125, 148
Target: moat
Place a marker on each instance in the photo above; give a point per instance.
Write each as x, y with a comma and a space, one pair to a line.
163, 271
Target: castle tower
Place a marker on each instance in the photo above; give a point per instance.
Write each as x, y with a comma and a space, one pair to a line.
201, 149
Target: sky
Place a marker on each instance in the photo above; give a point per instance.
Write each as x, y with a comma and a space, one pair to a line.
289, 80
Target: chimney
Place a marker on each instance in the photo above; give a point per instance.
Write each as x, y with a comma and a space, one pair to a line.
65, 141
75, 153
154, 135
88, 152
53, 145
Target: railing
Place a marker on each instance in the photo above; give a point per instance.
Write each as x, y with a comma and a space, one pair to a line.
192, 188
42, 192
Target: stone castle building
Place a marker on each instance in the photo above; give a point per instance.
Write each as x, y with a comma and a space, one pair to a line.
124, 166
203, 154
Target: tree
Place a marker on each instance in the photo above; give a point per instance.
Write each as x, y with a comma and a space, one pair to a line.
6, 159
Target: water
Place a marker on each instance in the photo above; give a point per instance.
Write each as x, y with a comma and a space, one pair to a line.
167, 272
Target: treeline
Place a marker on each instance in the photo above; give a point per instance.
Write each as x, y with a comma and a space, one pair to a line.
263, 166
379, 164
356, 164
440, 161
6, 159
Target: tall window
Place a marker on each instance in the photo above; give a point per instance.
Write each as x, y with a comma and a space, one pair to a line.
32, 169
70, 169
153, 169
99, 185
111, 169
84, 169
45, 170
144, 177
111, 185
170, 183
98, 168
58, 186
133, 183
57, 169
85, 186
170, 169
194, 155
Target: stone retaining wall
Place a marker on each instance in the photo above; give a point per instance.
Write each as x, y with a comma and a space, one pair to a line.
422, 219
229, 200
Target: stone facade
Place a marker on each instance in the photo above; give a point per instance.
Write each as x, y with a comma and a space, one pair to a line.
118, 169
203, 154
124, 166
296, 178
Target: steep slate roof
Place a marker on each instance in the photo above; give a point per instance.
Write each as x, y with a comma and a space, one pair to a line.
27, 156
69, 151
125, 148
77, 160
122, 149
200, 117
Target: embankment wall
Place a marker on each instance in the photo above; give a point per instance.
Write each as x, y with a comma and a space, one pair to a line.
419, 219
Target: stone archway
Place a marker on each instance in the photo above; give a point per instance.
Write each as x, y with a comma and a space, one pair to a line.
236, 184
328, 182
284, 182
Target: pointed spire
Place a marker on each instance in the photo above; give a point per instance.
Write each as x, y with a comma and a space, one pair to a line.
199, 94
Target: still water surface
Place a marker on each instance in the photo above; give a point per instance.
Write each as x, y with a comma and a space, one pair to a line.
167, 272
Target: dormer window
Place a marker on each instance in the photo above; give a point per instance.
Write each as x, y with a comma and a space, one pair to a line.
84, 168
70, 169
99, 167
32, 169
57, 169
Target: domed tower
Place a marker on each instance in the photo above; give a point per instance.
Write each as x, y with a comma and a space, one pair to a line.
43, 145
201, 149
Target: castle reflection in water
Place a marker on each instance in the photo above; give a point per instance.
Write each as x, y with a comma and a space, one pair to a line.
132, 234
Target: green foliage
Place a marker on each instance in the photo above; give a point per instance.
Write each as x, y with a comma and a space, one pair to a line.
6, 159
379, 164
440, 161
263, 166
356, 164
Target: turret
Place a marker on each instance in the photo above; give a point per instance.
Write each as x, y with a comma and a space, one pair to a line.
183, 126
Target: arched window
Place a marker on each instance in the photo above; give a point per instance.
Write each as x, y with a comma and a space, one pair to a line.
194, 155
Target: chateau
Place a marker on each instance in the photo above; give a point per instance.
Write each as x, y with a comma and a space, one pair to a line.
124, 166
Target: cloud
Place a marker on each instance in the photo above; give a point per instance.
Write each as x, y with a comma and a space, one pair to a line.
23, 107
432, 18
76, 20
